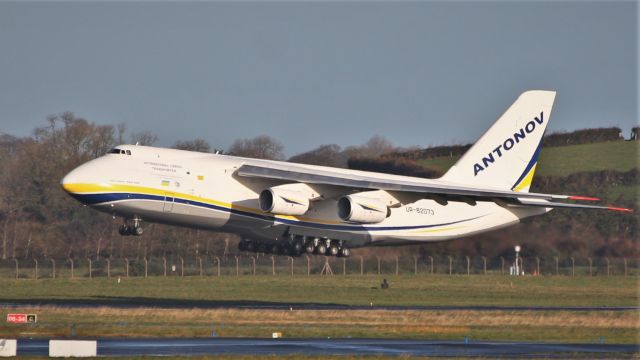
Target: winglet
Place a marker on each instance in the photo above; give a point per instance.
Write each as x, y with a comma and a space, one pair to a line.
619, 209
583, 198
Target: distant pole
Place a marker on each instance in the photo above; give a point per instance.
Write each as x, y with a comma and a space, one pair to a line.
273, 265
361, 266
53, 269
450, 264
200, 265
344, 266
538, 266
90, 268
484, 264
377, 257
126, 264
237, 266
415, 265
146, 267
431, 262
108, 269
16, 261
557, 265
608, 266
573, 266
218, 265
308, 265
291, 259
71, 261
625, 266
468, 265
590, 266
35, 273
501, 265
181, 267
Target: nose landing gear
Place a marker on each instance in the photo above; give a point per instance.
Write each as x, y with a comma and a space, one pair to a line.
131, 227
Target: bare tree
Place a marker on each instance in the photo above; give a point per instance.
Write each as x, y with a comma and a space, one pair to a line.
374, 147
326, 155
260, 147
197, 144
144, 138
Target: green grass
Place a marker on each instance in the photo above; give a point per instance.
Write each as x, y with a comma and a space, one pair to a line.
480, 290
566, 160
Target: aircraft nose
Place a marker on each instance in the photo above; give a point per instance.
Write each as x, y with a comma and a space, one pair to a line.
70, 181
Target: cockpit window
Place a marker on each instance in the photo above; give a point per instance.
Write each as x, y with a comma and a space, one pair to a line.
119, 151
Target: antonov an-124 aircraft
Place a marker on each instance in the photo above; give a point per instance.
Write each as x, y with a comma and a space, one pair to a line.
289, 209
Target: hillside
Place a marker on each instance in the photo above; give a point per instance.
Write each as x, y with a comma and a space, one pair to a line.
567, 160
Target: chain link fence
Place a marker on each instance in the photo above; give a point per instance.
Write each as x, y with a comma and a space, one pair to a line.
260, 264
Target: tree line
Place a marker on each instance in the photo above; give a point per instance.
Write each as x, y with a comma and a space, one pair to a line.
39, 220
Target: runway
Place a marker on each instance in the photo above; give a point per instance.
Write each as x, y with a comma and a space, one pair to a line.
261, 346
138, 302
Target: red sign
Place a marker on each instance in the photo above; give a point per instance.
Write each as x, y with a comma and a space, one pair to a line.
21, 318
17, 318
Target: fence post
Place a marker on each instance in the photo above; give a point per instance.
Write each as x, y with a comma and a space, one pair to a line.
590, 266
361, 266
90, 268
557, 265
200, 265
108, 269
71, 261
308, 265
344, 266
397, 266
625, 266
431, 262
377, 257
146, 267
573, 266
164, 266
181, 267
35, 273
16, 261
608, 266
273, 265
291, 258
415, 265
450, 264
218, 264
126, 263
502, 265
253, 260
53, 268
484, 264
237, 266
538, 266
468, 265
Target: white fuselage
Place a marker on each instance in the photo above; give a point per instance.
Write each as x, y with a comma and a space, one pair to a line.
201, 190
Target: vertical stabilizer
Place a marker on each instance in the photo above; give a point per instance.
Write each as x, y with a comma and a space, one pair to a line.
506, 155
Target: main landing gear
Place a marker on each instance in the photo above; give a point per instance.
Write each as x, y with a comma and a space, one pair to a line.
131, 227
296, 246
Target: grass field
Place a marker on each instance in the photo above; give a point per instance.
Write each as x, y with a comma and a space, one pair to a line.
439, 290
566, 160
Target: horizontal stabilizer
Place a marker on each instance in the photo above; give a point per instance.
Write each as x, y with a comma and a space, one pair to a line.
549, 204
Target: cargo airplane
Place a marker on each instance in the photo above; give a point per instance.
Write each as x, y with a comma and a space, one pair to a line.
289, 209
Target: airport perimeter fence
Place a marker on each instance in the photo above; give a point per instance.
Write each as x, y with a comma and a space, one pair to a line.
261, 264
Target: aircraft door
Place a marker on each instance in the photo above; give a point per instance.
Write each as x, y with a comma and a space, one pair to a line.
168, 202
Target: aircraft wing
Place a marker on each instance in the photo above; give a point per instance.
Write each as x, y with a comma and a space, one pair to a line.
324, 176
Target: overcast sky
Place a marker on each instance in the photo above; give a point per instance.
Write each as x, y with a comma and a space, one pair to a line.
311, 73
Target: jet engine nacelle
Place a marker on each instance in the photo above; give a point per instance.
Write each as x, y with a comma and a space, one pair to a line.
362, 209
284, 201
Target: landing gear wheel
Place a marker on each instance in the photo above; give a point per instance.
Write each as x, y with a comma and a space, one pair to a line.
137, 231
297, 248
123, 230
333, 250
321, 249
345, 252
275, 249
310, 248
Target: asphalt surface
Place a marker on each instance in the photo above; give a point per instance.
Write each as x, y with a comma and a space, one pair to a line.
256, 346
137, 302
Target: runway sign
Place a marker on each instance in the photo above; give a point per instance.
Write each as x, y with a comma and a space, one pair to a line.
22, 318
8, 347
73, 348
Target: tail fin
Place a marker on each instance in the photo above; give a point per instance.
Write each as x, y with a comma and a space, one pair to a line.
506, 155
